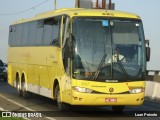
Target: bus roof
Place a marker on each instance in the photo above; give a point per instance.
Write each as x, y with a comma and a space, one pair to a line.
81, 12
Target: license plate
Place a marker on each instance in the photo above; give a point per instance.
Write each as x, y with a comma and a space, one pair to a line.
110, 99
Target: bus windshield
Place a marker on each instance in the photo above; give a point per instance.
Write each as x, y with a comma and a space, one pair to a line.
108, 49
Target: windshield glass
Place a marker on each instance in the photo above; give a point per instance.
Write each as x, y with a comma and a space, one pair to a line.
128, 49
108, 49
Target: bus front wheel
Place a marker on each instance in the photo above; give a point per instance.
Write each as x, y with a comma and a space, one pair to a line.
61, 106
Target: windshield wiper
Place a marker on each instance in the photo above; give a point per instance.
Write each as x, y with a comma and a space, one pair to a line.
99, 67
125, 74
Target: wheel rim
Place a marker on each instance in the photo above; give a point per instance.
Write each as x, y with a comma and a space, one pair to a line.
18, 86
19, 91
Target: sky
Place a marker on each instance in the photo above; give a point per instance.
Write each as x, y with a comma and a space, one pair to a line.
148, 10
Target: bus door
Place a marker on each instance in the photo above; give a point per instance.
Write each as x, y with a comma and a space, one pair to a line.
66, 53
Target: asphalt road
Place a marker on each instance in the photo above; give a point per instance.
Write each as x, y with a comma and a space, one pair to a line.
10, 101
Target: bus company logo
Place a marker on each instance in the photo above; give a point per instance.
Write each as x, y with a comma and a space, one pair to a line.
20, 114
6, 114
111, 89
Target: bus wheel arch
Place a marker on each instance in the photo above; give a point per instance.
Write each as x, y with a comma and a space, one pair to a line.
26, 94
57, 96
54, 86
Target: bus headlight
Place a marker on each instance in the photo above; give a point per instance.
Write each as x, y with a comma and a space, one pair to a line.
83, 90
136, 90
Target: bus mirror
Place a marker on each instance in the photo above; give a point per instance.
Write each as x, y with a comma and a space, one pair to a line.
148, 50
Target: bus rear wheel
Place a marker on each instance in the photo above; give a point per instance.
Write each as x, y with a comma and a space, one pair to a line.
118, 108
19, 91
25, 93
61, 106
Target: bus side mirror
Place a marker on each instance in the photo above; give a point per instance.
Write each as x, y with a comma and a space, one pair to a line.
148, 50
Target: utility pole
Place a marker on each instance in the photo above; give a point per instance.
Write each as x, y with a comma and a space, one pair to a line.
55, 4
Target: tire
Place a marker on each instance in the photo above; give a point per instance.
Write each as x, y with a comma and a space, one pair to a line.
19, 91
61, 106
118, 109
25, 93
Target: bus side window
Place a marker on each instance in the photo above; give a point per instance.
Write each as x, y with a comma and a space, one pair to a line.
56, 31
52, 31
32, 33
25, 34
12, 36
39, 32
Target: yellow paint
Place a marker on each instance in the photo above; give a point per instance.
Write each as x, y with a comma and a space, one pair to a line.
43, 64
80, 12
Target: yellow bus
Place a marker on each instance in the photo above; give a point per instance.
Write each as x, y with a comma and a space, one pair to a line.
79, 56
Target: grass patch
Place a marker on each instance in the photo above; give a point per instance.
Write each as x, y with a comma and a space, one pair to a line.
10, 118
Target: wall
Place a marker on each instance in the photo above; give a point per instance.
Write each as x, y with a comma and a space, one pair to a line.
152, 90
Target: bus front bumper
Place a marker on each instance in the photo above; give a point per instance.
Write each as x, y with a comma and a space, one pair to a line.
106, 99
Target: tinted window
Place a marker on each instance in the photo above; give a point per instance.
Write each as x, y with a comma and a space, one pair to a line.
12, 35
18, 34
25, 34
39, 34
32, 33
51, 31
56, 31
48, 31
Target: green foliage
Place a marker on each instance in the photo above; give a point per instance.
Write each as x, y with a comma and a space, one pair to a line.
10, 118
